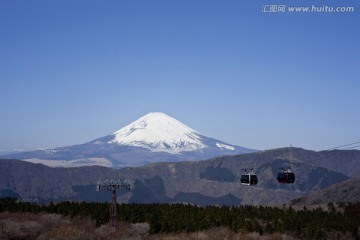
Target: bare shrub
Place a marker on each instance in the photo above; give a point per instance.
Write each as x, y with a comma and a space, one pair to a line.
65, 228
69, 233
257, 236
104, 231
220, 233
12, 229
200, 235
334, 235
139, 230
126, 231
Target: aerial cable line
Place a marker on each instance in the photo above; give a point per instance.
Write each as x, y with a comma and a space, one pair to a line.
352, 147
344, 145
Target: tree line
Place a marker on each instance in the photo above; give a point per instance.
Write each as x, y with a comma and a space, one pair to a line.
173, 218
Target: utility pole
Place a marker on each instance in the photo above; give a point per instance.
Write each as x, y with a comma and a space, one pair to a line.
113, 185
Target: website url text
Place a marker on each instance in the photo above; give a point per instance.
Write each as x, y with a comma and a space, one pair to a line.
306, 9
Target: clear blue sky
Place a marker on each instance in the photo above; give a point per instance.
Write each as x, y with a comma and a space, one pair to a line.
72, 71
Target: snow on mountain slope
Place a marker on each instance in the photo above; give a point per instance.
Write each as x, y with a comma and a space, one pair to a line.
155, 137
159, 132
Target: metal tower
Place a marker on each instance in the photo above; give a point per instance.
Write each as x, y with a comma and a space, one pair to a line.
113, 185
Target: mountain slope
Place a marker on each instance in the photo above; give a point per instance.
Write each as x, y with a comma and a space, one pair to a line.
26, 180
154, 137
346, 191
213, 181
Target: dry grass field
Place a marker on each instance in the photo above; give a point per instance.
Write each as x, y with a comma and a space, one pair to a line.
45, 226
56, 227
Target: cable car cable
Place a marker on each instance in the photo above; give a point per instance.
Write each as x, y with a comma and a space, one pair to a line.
352, 147
343, 146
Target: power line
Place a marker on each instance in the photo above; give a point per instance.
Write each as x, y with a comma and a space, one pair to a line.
346, 145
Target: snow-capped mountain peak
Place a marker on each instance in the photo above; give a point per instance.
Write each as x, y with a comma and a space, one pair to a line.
155, 137
159, 133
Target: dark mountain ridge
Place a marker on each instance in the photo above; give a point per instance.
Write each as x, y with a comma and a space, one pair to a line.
213, 181
343, 192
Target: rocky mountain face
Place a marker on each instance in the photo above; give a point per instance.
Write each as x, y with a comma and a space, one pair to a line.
213, 181
155, 137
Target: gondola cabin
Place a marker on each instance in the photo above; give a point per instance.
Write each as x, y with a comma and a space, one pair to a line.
286, 176
249, 178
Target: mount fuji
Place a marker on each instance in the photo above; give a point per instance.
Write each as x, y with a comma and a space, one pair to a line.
155, 137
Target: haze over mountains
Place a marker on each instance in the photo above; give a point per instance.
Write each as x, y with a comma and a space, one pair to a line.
155, 137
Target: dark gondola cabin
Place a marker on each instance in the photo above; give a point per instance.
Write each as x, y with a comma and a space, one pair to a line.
286, 176
249, 179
